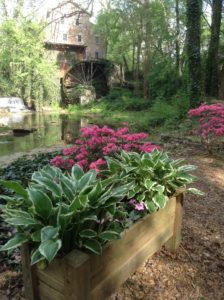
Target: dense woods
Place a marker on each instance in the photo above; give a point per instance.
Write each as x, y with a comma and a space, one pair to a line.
166, 47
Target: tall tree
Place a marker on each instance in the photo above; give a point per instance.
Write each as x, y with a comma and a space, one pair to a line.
194, 11
177, 39
212, 76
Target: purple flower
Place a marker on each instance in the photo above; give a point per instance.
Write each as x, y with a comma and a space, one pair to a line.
132, 202
140, 206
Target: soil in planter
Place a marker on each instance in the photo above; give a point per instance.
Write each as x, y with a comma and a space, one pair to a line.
196, 271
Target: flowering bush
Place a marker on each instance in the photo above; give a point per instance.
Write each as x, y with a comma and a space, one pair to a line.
210, 119
96, 142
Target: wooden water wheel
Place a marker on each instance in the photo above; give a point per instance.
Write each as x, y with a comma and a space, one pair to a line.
85, 73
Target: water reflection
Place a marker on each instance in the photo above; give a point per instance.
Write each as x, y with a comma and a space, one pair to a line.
51, 129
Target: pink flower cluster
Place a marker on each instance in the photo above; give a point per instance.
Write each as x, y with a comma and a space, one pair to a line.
96, 142
210, 119
140, 206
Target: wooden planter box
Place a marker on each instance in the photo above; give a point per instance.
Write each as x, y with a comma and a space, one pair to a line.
79, 276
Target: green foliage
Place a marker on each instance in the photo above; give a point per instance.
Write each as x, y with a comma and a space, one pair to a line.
22, 169
168, 113
154, 177
59, 212
163, 78
25, 71
122, 100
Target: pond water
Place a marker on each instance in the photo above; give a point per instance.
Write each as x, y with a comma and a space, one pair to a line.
51, 129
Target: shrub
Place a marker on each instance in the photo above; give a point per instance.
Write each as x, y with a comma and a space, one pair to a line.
120, 99
210, 123
96, 142
168, 113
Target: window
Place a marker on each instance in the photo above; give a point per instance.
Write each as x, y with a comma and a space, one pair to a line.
77, 22
79, 38
65, 37
97, 39
96, 55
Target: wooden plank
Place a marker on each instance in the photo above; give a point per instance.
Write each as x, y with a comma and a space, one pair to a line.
48, 293
77, 276
132, 241
29, 276
119, 274
53, 275
173, 244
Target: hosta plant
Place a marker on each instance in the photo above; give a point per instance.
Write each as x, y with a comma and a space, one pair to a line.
59, 212
154, 178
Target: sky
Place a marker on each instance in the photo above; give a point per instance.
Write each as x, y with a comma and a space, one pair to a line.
52, 3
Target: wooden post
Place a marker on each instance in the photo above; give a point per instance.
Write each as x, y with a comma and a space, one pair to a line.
174, 242
29, 278
77, 276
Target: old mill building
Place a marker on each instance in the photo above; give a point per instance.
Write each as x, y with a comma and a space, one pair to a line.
70, 36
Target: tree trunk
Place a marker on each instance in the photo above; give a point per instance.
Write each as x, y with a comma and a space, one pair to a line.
133, 61
212, 73
147, 31
137, 70
177, 39
125, 63
194, 9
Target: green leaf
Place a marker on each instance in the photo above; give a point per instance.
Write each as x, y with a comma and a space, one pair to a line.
42, 203
79, 203
68, 188
22, 221
88, 233
50, 185
50, 248
113, 164
87, 179
159, 200
159, 188
96, 191
93, 245
109, 235
187, 168
149, 184
187, 178
151, 206
77, 172
196, 191
16, 187
141, 197
48, 233
36, 236
15, 242
131, 194
36, 257
89, 218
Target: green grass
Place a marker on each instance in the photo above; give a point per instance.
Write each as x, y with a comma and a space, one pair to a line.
121, 106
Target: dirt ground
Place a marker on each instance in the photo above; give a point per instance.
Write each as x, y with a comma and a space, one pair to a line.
196, 271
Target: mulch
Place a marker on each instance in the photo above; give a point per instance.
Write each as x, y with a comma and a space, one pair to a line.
196, 270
